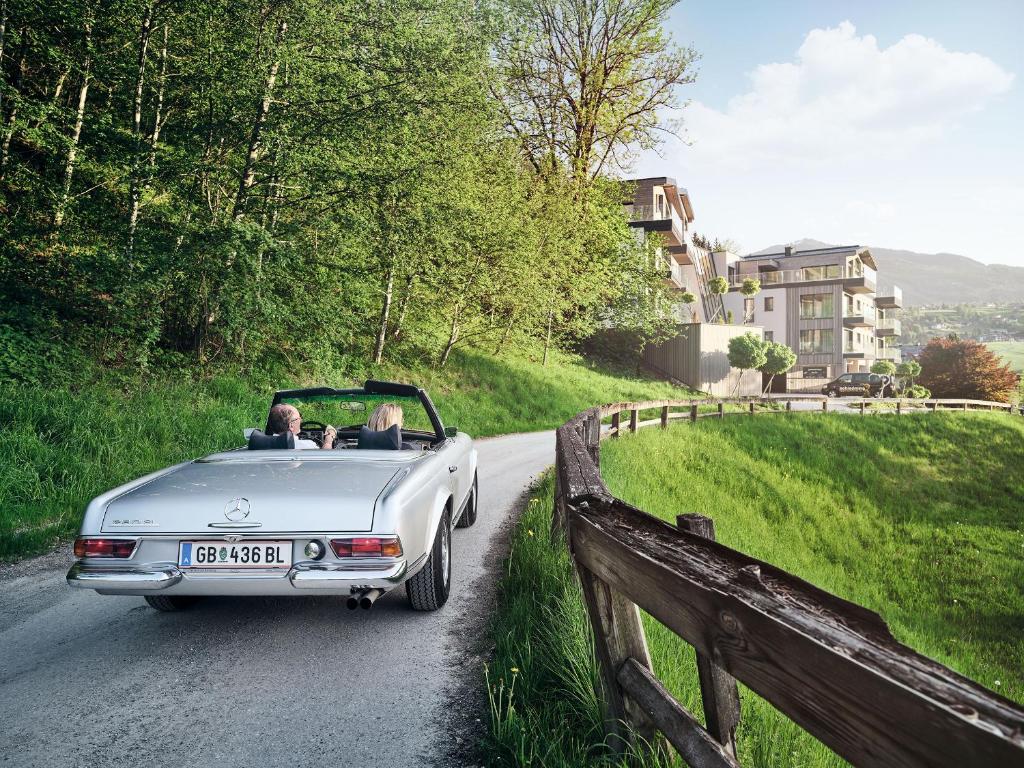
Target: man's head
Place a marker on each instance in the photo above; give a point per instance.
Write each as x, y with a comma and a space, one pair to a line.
284, 418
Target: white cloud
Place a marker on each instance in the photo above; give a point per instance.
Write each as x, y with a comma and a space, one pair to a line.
843, 99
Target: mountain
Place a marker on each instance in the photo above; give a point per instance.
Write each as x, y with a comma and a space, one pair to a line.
937, 278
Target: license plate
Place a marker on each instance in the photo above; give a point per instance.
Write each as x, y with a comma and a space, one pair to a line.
239, 554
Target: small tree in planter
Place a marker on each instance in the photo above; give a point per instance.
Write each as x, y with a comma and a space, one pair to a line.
884, 368
688, 298
746, 352
718, 286
778, 359
750, 287
906, 372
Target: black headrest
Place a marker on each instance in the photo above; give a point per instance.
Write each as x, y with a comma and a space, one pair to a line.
260, 441
389, 439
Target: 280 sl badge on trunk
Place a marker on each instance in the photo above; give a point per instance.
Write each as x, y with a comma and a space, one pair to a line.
354, 510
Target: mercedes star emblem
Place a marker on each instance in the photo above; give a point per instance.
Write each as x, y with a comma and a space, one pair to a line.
237, 509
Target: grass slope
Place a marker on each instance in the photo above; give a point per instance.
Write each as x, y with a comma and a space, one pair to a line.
916, 517
61, 446
1011, 351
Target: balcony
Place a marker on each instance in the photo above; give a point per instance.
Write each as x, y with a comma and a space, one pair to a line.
862, 281
888, 326
893, 354
892, 300
657, 219
672, 273
863, 317
856, 351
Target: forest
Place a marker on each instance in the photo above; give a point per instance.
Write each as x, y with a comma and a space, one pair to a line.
196, 184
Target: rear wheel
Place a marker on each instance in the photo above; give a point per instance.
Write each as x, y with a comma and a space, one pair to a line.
469, 513
169, 603
428, 589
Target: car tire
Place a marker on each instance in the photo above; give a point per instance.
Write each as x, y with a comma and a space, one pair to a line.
168, 603
831, 393
469, 513
428, 589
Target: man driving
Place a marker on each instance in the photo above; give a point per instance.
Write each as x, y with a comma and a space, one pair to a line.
285, 418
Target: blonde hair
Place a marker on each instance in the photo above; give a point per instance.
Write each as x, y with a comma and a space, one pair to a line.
384, 416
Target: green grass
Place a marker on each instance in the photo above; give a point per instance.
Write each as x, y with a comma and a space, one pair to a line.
917, 518
63, 445
1011, 351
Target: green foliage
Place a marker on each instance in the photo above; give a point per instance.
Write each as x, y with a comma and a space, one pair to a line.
687, 297
883, 367
751, 287
917, 392
718, 285
747, 352
779, 358
916, 518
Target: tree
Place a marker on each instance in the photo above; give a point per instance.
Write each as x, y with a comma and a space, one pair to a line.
746, 352
906, 372
884, 368
751, 287
688, 298
953, 367
587, 83
779, 358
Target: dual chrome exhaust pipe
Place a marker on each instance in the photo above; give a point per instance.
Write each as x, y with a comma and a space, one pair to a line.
364, 599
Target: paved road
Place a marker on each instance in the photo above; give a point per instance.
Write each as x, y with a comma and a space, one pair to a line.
106, 681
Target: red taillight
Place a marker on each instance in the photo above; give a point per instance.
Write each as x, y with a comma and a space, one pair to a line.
104, 547
375, 546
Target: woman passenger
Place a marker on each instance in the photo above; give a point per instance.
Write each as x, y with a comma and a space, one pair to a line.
384, 416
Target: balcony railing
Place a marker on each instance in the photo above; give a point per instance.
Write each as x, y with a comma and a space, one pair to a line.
891, 325
865, 311
780, 276
659, 213
895, 354
891, 298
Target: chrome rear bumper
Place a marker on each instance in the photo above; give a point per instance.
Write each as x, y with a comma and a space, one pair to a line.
338, 577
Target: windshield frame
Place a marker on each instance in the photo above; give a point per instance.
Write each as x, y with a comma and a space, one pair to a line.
370, 387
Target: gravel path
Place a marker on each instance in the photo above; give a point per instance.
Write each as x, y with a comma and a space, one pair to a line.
87, 680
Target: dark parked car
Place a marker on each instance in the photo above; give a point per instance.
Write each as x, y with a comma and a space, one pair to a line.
862, 384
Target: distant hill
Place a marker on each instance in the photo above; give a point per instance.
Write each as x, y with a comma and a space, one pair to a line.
937, 278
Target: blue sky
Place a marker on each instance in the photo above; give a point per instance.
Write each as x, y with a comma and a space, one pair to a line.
895, 124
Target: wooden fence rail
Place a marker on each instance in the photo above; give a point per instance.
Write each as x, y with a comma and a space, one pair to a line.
830, 665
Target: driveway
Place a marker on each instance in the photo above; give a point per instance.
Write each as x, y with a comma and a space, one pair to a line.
87, 680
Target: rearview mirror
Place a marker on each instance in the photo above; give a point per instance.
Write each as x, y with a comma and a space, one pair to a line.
450, 431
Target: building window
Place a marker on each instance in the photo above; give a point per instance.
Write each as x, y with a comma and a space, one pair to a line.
748, 311
769, 303
826, 272
815, 340
816, 306
769, 335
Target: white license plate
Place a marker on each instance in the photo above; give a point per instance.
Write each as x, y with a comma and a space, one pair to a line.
238, 554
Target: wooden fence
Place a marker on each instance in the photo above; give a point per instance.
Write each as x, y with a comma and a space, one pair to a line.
830, 665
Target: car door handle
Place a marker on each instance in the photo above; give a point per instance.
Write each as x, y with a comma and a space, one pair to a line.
452, 469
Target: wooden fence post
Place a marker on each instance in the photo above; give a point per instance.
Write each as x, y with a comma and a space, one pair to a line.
718, 691
618, 636
965, 406
633, 420
861, 407
693, 412
615, 424
592, 427
751, 407
899, 407
721, 410
664, 417
824, 405
789, 405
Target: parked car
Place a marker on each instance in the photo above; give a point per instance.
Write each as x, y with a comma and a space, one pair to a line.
267, 519
859, 384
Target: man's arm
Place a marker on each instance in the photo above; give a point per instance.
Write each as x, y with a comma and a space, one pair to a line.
330, 435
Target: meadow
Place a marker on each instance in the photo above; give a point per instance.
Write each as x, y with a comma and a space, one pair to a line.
64, 444
916, 517
1011, 351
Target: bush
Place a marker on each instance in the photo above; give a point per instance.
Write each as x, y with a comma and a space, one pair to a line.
917, 392
751, 286
954, 367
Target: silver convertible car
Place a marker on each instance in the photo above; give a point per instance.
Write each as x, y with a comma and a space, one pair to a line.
359, 519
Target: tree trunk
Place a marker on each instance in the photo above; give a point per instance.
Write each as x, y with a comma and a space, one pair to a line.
3, 39
83, 94
382, 331
453, 337
406, 299
12, 116
505, 335
249, 170
547, 338
137, 182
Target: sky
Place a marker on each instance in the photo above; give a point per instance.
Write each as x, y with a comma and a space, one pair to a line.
893, 124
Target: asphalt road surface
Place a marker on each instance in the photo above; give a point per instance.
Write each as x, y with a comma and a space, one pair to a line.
87, 680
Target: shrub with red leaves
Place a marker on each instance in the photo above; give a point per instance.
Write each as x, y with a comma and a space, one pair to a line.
953, 367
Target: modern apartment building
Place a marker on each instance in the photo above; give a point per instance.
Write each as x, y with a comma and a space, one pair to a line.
660, 207
822, 303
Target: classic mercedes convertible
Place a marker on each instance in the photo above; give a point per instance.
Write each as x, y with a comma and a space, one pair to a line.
372, 513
